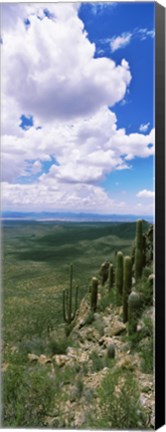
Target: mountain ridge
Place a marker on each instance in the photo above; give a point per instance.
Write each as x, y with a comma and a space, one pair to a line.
74, 216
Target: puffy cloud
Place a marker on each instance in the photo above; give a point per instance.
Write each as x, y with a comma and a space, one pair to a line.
120, 41
67, 91
84, 151
145, 194
56, 74
51, 195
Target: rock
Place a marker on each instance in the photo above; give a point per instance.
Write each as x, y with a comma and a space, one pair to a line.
4, 366
133, 280
82, 313
92, 335
142, 400
105, 341
93, 380
78, 354
126, 362
79, 418
14, 349
152, 421
33, 357
119, 310
117, 328
60, 359
44, 359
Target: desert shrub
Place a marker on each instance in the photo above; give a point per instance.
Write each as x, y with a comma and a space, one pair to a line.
105, 301
88, 395
28, 396
147, 271
79, 387
99, 326
85, 368
58, 346
147, 357
100, 363
119, 403
35, 345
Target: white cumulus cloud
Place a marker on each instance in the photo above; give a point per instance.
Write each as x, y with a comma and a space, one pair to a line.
55, 73
145, 193
49, 72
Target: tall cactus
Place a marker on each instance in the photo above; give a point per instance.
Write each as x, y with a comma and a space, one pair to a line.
119, 274
133, 312
138, 251
68, 315
94, 294
110, 276
127, 283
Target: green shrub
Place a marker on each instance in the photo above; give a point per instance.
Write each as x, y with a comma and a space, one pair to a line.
60, 346
105, 301
100, 363
147, 357
35, 345
79, 388
28, 396
99, 326
119, 404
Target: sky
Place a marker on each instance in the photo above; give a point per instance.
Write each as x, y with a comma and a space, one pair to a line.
77, 120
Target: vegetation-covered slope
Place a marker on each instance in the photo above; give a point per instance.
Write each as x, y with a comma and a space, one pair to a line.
64, 375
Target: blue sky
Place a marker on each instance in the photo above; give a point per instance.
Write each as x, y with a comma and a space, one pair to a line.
78, 123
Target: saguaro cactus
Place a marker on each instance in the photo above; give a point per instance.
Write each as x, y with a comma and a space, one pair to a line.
110, 276
68, 315
138, 251
111, 350
127, 283
133, 312
94, 293
119, 274
104, 272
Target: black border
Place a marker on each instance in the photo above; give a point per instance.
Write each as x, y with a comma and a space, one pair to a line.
160, 216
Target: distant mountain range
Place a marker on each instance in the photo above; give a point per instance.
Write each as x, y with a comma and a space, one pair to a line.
75, 217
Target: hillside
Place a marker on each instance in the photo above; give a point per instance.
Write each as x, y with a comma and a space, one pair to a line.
90, 372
